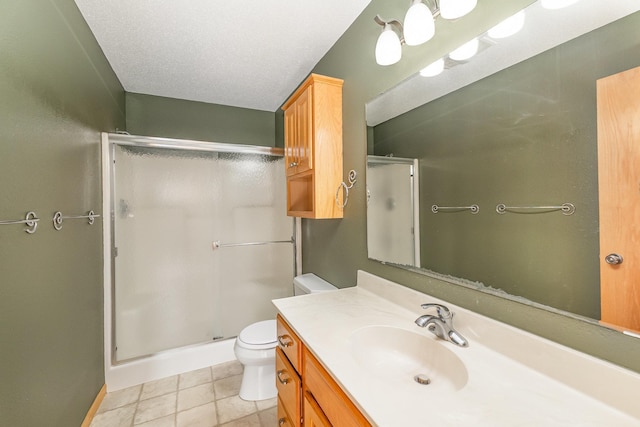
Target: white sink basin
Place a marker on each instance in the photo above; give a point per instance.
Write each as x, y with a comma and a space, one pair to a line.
399, 355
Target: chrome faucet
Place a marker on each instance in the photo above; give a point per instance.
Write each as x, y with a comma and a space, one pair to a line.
441, 325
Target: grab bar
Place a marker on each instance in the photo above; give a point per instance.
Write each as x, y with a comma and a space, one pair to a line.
31, 219
566, 208
216, 244
473, 208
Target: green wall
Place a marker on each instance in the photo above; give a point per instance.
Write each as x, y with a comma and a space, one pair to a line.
176, 118
57, 93
336, 249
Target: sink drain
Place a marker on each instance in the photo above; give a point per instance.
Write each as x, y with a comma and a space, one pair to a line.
422, 379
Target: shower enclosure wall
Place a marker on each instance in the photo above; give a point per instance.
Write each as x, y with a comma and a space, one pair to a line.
197, 247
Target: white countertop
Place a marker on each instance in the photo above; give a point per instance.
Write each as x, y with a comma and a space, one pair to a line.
514, 378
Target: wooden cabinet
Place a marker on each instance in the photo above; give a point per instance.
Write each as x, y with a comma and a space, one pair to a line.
307, 395
334, 403
313, 148
298, 134
289, 388
313, 415
288, 381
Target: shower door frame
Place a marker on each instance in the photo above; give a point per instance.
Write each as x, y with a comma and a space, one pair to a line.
109, 143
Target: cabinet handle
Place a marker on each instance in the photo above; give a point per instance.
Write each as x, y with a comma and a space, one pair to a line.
285, 380
293, 164
282, 421
281, 339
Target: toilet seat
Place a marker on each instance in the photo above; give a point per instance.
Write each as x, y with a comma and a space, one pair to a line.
259, 336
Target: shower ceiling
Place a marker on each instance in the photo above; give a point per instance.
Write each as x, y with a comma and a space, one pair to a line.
250, 53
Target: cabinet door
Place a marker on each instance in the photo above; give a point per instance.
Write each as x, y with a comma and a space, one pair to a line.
298, 124
284, 420
290, 140
304, 134
313, 415
335, 404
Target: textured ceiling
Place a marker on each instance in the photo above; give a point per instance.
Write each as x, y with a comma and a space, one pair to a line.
250, 53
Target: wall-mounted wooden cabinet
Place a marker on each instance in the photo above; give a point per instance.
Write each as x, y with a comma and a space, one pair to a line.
313, 148
307, 395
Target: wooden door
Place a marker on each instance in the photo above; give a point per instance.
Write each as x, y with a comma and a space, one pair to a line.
313, 415
619, 192
290, 149
304, 113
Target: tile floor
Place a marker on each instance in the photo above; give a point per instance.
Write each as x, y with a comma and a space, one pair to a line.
204, 398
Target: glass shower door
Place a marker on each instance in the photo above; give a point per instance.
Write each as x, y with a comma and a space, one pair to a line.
172, 289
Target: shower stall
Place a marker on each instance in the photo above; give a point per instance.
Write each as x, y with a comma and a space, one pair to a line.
197, 246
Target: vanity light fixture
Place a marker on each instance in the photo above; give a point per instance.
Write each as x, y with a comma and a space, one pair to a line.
389, 44
433, 69
508, 27
465, 51
454, 9
556, 4
419, 26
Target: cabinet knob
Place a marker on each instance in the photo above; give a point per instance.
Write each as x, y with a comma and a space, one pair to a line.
293, 164
282, 421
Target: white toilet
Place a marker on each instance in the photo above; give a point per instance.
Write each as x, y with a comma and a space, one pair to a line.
256, 345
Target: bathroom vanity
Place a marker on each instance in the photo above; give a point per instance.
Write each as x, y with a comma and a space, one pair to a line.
305, 387
355, 357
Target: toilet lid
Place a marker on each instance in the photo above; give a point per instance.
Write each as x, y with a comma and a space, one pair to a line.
259, 333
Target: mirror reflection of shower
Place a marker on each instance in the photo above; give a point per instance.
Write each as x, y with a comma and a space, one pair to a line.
393, 217
124, 209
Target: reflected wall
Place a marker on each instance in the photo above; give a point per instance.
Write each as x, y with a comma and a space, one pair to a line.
525, 136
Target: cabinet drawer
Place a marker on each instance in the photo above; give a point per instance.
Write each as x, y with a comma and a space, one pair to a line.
289, 343
335, 404
289, 386
284, 420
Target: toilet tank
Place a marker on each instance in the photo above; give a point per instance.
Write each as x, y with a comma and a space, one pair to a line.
309, 283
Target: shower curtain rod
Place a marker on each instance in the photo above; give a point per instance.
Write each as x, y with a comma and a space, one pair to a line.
191, 145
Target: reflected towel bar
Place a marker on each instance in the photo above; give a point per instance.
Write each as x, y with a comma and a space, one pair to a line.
57, 218
566, 208
473, 208
31, 219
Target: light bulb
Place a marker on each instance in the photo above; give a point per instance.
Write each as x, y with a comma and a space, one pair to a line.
453, 9
418, 24
388, 47
556, 4
433, 69
465, 51
508, 27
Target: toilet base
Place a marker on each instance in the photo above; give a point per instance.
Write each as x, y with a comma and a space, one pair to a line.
258, 382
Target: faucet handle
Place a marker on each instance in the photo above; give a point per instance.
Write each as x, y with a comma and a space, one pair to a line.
443, 311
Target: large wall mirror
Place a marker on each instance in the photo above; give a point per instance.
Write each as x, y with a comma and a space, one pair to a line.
507, 151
